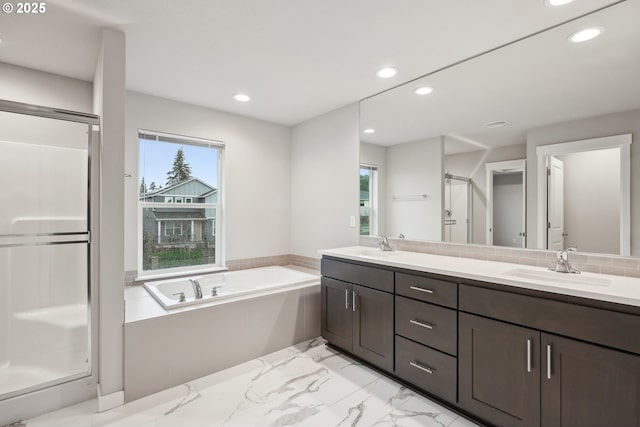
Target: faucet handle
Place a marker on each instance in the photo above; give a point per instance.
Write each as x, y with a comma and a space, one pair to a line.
182, 298
572, 249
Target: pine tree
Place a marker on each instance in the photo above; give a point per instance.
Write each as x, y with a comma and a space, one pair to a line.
181, 171
143, 187
152, 186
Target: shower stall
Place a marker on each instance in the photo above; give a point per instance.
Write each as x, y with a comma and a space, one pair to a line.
46, 245
458, 209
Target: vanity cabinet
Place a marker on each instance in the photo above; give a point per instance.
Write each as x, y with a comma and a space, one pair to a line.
588, 385
356, 317
505, 355
499, 371
523, 375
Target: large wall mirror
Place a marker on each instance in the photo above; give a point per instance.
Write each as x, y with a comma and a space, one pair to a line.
533, 145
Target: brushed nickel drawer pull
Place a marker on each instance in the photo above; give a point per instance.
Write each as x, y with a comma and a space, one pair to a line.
549, 362
423, 324
528, 355
426, 369
416, 288
346, 299
354, 302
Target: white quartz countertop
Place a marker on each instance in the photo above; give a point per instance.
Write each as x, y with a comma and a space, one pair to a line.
602, 287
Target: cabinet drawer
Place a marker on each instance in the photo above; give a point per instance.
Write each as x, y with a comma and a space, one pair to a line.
428, 369
609, 328
428, 324
370, 277
427, 289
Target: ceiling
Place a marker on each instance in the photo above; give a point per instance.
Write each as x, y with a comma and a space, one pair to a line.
536, 82
297, 59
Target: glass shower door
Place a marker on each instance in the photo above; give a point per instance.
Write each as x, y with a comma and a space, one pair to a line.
44, 252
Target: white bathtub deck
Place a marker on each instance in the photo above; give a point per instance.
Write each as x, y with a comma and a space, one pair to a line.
140, 305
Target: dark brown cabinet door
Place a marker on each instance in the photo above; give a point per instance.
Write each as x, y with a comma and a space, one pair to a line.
337, 314
588, 386
499, 371
373, 327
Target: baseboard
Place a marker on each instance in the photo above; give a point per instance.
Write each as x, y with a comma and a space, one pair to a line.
109, 401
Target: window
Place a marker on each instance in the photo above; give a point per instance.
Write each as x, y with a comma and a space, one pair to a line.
173, 228
368, 200
179, 204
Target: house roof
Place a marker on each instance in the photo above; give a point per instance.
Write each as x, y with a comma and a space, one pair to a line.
179, 184
190, 214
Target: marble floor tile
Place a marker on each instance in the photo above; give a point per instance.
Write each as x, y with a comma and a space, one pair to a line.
307, 385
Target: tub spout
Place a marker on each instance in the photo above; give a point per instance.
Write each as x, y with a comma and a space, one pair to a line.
197, 289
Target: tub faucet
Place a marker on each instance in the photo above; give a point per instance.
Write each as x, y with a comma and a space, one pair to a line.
384, 244
197, 289
562, 261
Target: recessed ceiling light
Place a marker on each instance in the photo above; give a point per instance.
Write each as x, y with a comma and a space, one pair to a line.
556, 2
369, 130
425, 90
586, 34
387, 72
497, 124
242, 97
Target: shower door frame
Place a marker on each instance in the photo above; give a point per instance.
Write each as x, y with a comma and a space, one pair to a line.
469, 183
67, 390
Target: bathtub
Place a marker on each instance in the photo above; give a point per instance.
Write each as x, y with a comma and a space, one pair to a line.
220, 286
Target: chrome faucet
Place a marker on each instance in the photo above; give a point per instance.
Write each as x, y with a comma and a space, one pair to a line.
197, 289
562, 261
384, 244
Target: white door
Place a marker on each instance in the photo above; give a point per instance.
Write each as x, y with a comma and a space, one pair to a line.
555, 205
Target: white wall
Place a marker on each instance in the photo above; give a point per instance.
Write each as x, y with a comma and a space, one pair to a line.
414, 169
592, 201
109, 91
324, 182
371, 154
594, 127
256, 173
49, 90
471, 165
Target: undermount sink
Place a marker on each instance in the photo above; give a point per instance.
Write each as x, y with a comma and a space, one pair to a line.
377, 253
555, 277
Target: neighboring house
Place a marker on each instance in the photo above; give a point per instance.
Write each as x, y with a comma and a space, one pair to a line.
176, 226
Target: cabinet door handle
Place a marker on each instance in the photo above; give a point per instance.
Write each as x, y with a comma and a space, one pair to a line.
416, 288
418, 365
549, 361
354, 300
423, 324
346, 299
529, 355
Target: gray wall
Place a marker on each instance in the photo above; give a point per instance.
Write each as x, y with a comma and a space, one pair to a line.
324, 182
256, 173
595, 127
412, 169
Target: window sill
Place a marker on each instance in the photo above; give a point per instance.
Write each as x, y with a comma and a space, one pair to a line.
170, 275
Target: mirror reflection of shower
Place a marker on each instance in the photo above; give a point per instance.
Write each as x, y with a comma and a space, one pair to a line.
458, 209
